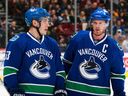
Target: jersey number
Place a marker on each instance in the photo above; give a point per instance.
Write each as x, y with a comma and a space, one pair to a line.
7, 55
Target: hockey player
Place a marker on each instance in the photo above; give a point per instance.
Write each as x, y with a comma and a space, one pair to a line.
32, 64
92, 59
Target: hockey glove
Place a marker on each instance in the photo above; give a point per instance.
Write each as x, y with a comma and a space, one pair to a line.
18, 95
16, 92
60, 93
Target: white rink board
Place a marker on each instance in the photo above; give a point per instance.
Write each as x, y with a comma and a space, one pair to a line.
126, 86
2, 56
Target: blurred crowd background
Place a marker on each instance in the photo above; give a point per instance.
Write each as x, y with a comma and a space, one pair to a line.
63, 18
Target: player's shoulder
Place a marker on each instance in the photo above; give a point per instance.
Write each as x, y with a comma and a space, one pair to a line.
114, 44
19, 39
50, 40
51, 43
79, 35
111, 41
21, 36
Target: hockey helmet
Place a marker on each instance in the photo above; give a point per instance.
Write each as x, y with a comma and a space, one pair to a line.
35, 13
100, 14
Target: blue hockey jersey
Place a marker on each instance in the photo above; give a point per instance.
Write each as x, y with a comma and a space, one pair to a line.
33, 66
91, 65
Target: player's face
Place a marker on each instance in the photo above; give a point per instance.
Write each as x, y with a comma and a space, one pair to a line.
99, 27
44, 26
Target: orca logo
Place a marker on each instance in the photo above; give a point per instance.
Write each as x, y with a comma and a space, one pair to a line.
40, 68
89, 69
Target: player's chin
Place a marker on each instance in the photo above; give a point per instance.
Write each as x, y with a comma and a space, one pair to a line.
98, 33
44, 32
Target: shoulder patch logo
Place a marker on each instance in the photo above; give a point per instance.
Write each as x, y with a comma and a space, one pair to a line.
14, 38
40, 68
119, 46
89, 69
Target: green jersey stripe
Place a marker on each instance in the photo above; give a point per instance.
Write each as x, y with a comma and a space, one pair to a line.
61, 73
9, 70
37, 89
84, 88
118, 76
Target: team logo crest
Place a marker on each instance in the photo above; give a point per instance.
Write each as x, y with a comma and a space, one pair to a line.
40, 68
89, 69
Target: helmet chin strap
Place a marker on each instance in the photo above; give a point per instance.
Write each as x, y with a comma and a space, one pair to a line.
37, 28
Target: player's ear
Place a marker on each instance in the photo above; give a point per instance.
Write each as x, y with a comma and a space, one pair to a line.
91, 23
107, 24
35, 23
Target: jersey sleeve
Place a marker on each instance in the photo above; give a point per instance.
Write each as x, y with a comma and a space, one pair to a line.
13, 60
60, 72
118, 72
69, 54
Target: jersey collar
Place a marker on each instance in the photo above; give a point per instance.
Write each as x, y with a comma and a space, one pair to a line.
102, 40
32, 37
